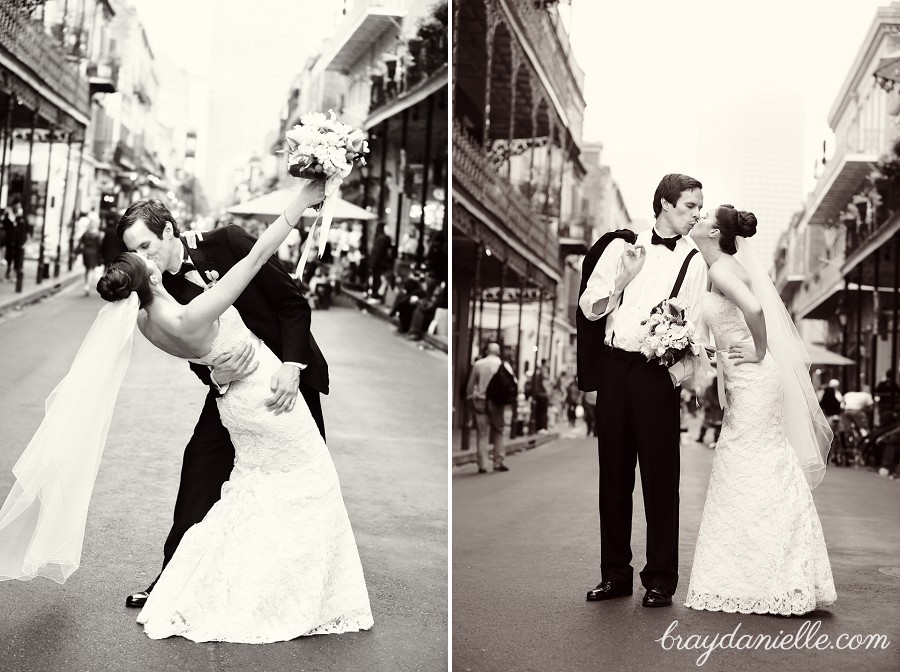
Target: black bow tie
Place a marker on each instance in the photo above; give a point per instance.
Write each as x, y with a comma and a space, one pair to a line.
656, 239
186, 266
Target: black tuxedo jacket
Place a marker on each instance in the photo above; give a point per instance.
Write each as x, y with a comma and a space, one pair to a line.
272, 306
591, 335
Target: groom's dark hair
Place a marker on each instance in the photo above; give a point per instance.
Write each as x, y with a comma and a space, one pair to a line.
153, 212
670, 188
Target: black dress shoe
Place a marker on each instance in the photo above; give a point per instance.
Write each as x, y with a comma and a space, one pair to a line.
138, 599
607, 590
502, 467
657, 597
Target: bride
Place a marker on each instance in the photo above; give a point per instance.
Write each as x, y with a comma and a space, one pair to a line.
760, 548
275, 557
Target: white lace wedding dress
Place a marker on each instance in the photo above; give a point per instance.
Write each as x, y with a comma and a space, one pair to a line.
760, 548
275, 557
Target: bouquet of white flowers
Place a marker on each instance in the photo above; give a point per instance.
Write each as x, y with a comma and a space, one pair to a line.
321, 147
670, 335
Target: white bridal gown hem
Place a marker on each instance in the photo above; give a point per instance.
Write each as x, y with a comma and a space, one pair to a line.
760, 548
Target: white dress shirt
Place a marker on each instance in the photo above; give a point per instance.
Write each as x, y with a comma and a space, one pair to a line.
651, 285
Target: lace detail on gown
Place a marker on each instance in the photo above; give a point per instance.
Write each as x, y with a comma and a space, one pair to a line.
760, 548
275, 557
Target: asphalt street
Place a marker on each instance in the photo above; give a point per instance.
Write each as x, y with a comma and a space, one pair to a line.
526, 550
386, 420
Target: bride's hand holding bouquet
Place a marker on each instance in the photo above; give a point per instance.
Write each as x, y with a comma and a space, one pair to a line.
322, 148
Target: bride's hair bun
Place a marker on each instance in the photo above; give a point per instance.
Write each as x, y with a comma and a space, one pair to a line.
746, 224
115, 284
126, 274
733, 223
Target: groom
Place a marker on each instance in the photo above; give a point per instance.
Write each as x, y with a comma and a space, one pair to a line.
275, 311
638, 402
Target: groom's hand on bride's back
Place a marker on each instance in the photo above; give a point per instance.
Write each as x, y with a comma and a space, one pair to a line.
285, 385
234, 365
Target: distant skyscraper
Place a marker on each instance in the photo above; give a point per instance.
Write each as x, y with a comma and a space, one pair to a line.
751, 155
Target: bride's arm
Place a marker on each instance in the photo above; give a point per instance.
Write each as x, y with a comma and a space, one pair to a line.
206, 308
741, 296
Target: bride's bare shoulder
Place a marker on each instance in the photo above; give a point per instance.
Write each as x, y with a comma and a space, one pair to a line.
726, 269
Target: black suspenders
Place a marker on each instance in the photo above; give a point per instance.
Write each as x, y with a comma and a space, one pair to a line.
680, 279
678, 282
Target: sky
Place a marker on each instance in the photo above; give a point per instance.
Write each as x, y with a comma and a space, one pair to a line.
655, 68
276, 36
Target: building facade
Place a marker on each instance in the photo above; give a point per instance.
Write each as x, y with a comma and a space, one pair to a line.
518, 107
838, 265
384, 69
51, 65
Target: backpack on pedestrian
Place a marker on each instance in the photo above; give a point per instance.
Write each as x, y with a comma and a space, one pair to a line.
503, 388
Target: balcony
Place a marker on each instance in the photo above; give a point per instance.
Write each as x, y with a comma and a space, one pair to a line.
551, 47
360, 29
103, 77
416, 71
478, 177
125, 156
25, 45
844, 174
574, 238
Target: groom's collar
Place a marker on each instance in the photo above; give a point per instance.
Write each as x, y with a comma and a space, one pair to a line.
656, 231
185, 257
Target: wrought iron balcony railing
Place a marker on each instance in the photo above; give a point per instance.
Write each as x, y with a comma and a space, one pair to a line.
478, 176
26, 41
552, 43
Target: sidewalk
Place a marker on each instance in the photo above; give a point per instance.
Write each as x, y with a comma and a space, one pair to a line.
31, 291
516, 445
350, 298
559, 430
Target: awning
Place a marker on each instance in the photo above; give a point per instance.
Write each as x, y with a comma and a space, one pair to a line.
569, 246
848, 172
887, 72
435, 82
823, 357
274, 203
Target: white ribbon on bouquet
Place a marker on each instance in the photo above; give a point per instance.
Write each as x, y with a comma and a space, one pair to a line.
332, 184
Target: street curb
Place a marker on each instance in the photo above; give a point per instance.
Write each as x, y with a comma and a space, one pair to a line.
351, 299
38, 293
514, 446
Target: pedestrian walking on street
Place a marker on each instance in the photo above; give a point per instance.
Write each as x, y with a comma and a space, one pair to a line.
9, 241
638, 401
112, 246
540, 390
887, 395
89, 246
274, 558
760, 548
712, 414
379, 261
491, 388
590, 412
573, 402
